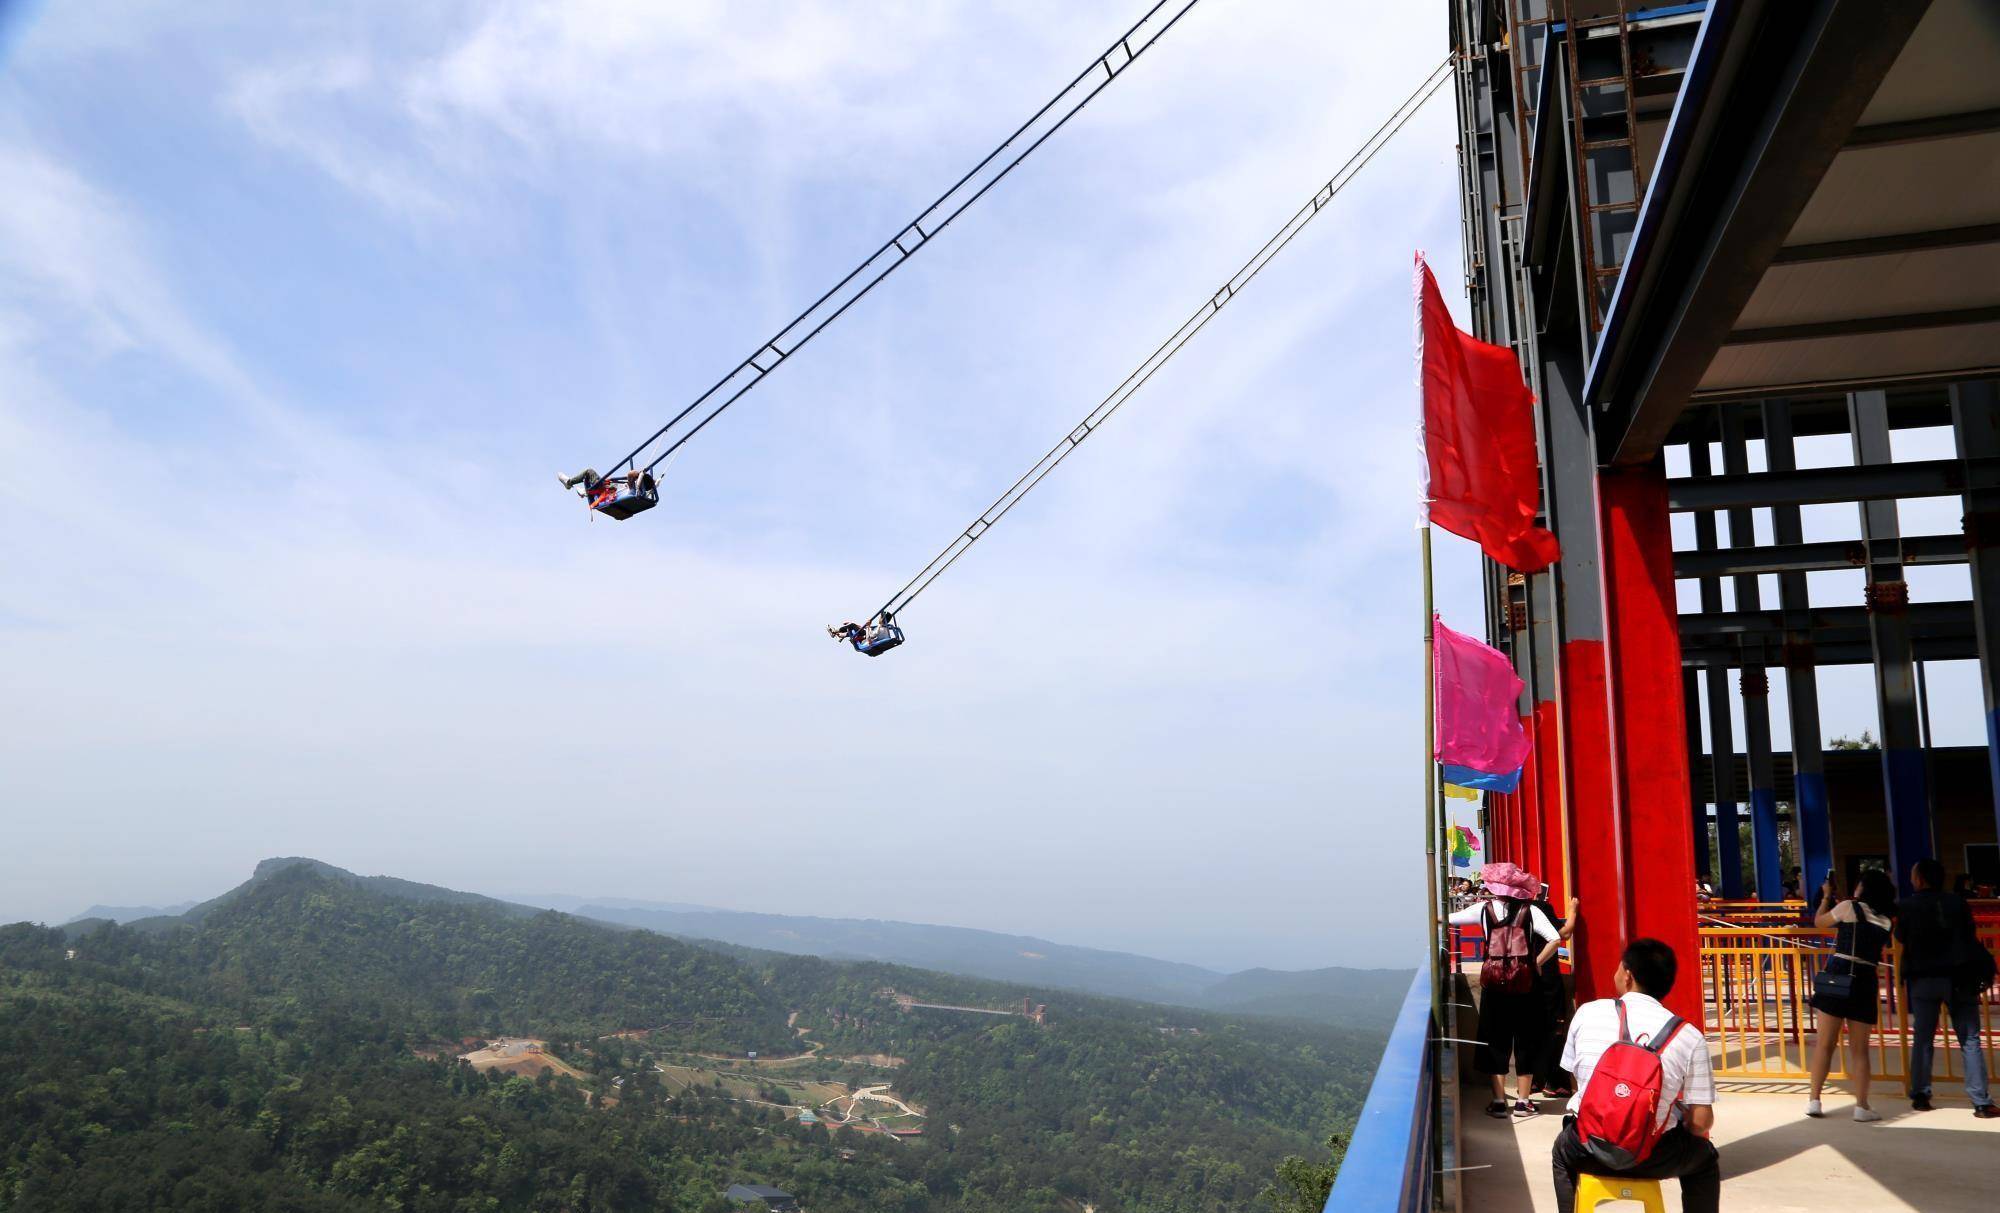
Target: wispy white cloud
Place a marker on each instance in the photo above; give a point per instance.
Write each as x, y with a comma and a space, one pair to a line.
74, 265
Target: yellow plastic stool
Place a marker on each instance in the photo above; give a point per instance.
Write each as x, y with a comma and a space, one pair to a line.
1594, 1190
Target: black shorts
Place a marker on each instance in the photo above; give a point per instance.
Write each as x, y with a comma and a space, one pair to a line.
1511, 1025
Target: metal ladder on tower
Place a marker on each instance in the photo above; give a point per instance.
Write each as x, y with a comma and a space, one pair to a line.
1596, 152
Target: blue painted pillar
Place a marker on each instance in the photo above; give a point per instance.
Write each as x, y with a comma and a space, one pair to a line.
1975, 418
1905, 785
1810, 811
1697, 795
1756, 686
1753, 681
1721, 728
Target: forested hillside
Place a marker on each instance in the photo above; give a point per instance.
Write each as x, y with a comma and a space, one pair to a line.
296, 1047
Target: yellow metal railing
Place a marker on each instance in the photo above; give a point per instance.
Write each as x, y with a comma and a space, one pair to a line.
1757, 986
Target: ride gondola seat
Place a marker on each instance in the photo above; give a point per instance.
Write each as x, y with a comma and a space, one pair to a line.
626, 502
881, 642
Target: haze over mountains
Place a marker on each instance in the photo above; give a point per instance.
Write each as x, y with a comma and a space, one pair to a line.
1334, 995
1329, 995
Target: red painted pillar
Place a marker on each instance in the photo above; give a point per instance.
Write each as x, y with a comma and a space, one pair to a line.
1648, 751
1547, 762
1594, 849
1531, 805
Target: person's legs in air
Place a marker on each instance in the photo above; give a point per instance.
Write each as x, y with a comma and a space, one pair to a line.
587, 478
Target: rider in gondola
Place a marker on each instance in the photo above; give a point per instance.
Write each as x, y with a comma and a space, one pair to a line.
600, 491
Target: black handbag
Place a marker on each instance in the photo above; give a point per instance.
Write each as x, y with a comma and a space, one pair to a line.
1834, 987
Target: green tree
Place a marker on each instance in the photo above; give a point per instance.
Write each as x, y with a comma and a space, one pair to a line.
1302, 1184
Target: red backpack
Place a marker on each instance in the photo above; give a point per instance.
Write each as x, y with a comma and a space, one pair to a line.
1618, 1119
1507, 967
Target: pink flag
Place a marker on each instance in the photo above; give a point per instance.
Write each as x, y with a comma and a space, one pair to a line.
1478, 717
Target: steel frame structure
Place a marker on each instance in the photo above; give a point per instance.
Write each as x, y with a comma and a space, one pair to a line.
1613, 250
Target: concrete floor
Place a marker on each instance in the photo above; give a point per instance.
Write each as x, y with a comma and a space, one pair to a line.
1774, 1160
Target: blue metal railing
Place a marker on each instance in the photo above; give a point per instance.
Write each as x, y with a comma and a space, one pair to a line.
1390, 1164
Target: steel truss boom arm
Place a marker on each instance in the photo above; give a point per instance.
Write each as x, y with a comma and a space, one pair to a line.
900, 247
1168, 348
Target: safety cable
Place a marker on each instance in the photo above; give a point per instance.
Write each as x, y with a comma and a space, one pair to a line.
920, 231
1168, 348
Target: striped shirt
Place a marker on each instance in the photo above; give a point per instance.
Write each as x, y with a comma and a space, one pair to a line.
1685, 1076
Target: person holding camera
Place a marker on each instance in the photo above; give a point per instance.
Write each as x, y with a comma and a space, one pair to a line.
1844, 992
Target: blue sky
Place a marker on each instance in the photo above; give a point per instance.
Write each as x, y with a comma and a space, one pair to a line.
300, 311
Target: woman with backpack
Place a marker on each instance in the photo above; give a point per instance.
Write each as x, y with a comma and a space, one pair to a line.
1513, 1015
1844, 992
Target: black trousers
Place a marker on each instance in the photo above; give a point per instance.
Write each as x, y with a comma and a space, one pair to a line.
1679, 1155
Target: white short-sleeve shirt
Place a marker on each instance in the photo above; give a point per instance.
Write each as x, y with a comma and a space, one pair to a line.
1489, 913
1685, 1075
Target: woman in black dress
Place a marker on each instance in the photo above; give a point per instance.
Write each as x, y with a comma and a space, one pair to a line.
1845, 996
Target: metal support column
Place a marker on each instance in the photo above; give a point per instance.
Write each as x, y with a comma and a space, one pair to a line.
1721, 726
1812, 821
1697, 798
1572, 500
1905, 791
1975, 417
1649, 767
1547, 731
1752, 679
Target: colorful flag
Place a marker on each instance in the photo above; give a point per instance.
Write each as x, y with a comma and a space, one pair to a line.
1466, 777
1463, 843
1481, 476
1458, 792
1478, 721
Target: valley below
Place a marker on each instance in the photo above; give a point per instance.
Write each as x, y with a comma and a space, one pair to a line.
315, 1040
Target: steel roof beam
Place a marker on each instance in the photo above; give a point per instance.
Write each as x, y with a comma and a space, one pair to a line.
1819, 486
1814, 557
1883, 246
1948, 618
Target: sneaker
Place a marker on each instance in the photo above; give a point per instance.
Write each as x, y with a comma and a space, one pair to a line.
562, 480
1523, 1109
1864, 1115
1920, 1103
1986, 1111
1813, 1108
1497, 1109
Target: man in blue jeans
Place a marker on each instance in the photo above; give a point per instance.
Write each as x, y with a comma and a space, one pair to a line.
1940, 948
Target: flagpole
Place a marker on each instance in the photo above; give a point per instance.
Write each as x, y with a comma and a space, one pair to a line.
1432, 792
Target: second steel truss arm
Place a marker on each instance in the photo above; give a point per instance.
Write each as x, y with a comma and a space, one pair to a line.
1168, 348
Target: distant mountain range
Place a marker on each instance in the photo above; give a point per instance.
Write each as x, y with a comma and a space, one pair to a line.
1348, 997
130, 913
1331, 995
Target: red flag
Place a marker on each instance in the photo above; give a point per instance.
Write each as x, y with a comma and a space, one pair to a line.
1479, 438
